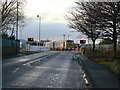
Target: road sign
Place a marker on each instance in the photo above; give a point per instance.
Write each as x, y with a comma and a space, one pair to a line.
82, 41
30, 39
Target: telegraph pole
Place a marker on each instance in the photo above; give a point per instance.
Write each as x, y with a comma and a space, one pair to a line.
17, 22
17, 27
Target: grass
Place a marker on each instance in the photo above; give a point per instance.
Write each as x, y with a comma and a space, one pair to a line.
105, 58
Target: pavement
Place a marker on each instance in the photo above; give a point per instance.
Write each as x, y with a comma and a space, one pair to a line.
20, 54
19, 59
99, 76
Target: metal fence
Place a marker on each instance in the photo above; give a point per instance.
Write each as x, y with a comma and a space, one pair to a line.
10, 43
10, 47
104, 47
107, 47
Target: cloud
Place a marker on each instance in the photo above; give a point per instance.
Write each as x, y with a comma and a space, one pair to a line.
53, 23
50, 10
52, 31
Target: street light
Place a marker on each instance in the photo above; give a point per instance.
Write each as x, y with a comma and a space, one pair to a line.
68, 37
39, 21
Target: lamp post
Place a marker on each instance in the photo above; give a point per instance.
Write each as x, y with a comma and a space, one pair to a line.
68, 37
39, 22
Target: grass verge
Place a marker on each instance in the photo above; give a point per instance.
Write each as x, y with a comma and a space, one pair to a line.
105, 59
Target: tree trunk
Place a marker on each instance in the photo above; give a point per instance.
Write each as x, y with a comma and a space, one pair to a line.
114, 35
114, 42
93, 45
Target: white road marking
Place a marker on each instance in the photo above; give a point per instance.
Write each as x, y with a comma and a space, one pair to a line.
16, 70
32, 62
22, 60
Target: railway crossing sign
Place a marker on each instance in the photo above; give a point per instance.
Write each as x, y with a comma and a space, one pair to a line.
83, 41
30, 39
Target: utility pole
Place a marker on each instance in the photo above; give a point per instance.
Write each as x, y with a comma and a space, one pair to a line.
17, 27
17, 22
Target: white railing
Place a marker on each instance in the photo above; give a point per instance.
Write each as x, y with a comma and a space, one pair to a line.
38, 48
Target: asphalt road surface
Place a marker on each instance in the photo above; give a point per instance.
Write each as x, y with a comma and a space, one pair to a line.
51, 70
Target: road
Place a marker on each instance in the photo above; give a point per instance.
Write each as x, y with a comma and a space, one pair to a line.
45, 70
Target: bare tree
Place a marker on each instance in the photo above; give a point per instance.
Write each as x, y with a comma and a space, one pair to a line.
108, 16
102, 16
8, 11
79, 19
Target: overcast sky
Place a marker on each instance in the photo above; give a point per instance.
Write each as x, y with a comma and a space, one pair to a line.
53, 23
